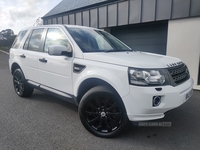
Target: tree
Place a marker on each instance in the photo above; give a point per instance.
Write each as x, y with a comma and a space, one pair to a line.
6, 34
7, 37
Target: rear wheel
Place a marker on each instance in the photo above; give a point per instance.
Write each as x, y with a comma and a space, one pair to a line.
102, 112
21, 87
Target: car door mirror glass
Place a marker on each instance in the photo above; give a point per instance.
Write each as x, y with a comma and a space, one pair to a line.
59, 50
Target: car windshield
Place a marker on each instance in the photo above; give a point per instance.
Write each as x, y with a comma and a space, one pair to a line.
91, 40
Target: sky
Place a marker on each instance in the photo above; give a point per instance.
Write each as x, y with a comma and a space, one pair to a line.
18, 14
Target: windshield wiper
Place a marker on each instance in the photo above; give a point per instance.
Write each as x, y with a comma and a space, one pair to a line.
128, 50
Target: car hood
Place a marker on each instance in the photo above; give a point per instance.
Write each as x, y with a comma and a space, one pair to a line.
133, 59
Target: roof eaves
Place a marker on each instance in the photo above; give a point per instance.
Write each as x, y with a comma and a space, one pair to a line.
80, 8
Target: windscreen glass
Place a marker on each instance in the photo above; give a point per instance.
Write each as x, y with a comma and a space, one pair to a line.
91, 40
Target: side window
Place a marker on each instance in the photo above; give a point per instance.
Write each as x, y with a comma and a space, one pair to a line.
56, 37
34, 40
18, 39
27, 41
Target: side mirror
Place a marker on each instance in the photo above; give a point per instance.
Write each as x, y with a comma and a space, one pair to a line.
59, 50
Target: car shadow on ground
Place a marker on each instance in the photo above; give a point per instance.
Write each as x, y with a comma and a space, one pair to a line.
43, 97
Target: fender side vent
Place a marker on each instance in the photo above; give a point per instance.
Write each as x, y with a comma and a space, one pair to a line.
78, 68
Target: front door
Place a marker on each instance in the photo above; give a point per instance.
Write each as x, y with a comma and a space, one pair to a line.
55, 72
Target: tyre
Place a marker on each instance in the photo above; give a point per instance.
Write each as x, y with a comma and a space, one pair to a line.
21, 87
102, 112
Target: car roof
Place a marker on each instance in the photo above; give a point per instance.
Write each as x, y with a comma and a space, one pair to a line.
59, 25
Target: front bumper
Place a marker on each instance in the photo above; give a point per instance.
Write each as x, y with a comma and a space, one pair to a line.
139, 106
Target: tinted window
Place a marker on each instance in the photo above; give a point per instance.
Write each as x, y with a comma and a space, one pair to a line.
27, 41
34, 40
90, 40
18, 39
56, 37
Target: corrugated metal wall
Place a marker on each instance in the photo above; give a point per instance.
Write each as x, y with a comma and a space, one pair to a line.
128, 12
148, 37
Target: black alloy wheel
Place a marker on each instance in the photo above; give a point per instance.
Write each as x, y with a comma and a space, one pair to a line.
21, 87
18, 83
102, 113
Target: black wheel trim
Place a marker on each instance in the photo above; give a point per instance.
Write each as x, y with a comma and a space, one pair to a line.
103, 114
18, 83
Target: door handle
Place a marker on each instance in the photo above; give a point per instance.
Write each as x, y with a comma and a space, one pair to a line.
43, 60
23, 56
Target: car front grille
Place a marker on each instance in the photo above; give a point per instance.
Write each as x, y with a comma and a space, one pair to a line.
179, 73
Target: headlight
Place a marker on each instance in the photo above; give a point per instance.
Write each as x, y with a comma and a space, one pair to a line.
146, 77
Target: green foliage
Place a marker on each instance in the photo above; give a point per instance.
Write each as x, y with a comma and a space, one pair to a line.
7, 43
5, 48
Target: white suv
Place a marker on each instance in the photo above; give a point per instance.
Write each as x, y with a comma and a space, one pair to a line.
110, 83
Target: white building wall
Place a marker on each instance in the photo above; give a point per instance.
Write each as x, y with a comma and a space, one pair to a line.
184, 42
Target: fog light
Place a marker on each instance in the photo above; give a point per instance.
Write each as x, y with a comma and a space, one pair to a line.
156, 101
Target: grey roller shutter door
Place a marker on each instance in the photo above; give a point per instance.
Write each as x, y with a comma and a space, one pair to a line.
151, 37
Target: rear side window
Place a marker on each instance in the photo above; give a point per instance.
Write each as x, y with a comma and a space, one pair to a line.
34, 40
18, 39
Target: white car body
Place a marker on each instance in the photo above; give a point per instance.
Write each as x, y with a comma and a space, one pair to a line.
57, 76
112, 68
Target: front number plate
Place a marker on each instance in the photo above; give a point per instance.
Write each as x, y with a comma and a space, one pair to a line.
188, 95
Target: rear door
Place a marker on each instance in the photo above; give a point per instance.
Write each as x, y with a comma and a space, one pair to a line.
29, 54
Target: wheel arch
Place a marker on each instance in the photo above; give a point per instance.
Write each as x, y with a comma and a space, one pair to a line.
88, 84
14, 67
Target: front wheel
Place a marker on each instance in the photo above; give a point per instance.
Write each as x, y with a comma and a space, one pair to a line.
21, 87
102, 112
